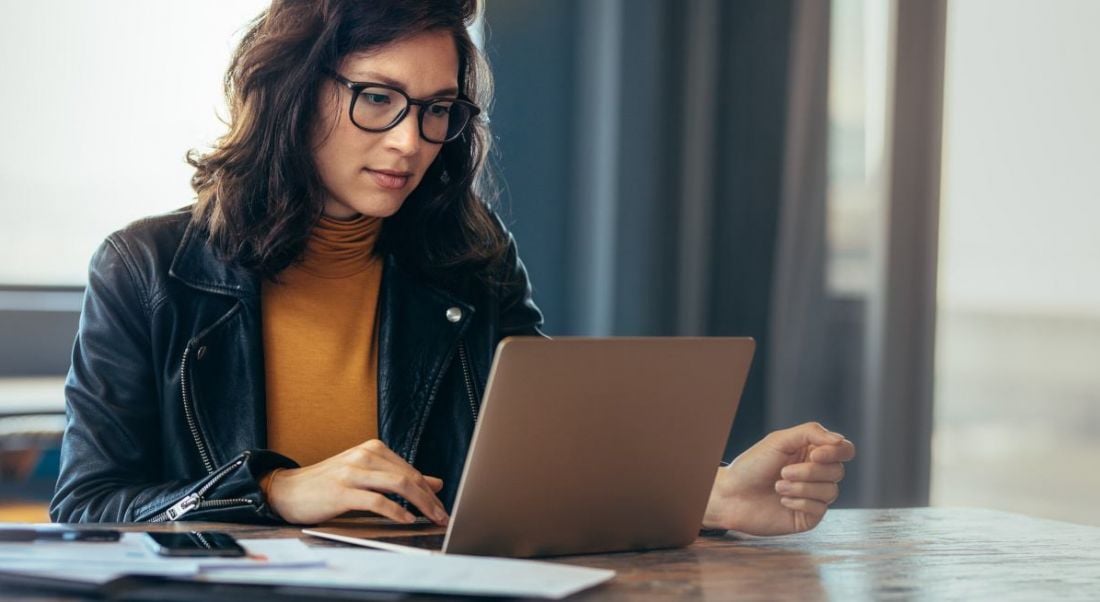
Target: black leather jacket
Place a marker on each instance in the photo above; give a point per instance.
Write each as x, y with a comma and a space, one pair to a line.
165, 396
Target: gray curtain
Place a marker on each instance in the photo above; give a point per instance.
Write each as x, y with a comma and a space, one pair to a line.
799, 324
863, 364
900, 341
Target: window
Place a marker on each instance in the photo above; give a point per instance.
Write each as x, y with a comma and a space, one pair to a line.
1017, 424
100, 101
859, 64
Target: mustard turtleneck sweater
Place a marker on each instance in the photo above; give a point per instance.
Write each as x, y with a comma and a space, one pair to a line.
320, 343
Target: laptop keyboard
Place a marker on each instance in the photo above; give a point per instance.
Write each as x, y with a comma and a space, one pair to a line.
432, 541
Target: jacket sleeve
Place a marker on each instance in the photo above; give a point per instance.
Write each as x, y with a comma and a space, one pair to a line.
112, 447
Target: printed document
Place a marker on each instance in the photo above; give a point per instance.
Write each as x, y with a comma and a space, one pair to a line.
440, 574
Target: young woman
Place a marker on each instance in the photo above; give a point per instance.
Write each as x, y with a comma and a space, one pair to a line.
312, 335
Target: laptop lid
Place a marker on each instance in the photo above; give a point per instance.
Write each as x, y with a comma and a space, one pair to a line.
597, 445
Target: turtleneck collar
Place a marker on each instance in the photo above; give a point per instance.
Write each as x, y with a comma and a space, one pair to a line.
341, 248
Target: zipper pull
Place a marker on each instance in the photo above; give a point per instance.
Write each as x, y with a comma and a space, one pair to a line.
183, 506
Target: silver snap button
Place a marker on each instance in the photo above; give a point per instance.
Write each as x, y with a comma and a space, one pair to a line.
454, 314
202, 352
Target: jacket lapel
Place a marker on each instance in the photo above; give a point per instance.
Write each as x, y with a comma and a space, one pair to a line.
419, 330
197, 265
229, 384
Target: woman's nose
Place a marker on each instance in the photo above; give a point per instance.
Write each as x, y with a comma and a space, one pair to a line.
405, 136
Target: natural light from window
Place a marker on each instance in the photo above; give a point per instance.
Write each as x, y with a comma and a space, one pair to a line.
1017, 410
100, 102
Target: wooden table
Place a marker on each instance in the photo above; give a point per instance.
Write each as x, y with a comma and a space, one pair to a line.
923, 553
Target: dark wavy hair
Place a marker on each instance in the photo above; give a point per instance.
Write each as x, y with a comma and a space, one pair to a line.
258, 191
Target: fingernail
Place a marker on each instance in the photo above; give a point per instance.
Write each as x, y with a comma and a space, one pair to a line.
782, 487
786, 473
409, 518
443, 518
836, 437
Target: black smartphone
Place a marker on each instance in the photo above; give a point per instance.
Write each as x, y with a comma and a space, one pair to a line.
194, 543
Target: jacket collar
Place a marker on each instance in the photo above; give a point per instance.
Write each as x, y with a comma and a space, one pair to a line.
197, 265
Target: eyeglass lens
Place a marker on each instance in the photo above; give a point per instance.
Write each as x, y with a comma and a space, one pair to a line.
378, 108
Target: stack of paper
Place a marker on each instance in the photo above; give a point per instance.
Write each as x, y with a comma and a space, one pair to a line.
301, 565
100, 562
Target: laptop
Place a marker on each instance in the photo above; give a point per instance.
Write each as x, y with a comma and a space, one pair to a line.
590, 445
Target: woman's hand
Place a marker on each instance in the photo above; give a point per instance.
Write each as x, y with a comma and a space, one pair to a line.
783, 484
356, 479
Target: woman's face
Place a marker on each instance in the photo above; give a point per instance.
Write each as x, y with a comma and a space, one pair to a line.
372, 173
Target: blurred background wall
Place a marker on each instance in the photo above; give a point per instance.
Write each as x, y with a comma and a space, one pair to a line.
1018, 362
892, 196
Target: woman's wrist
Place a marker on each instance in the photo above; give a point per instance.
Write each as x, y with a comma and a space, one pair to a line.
723, 505
267, 481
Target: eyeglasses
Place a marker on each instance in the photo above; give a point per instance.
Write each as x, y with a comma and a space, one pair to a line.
379, 107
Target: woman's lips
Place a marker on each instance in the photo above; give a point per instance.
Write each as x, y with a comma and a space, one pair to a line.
393, 180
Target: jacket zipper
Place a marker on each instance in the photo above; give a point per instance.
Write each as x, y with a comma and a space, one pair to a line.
470, 395
194, 500
189, 414
415, 447
411, 457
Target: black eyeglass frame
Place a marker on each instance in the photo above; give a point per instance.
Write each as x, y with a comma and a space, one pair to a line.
357, 87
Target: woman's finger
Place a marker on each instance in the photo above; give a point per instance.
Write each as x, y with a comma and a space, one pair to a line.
386, 455
358, 499
840, 452
401, 484
812, 507
374, 455
822, 492
795, 439
429, 485
813, 471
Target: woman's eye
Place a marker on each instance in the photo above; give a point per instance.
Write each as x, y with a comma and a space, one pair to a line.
376, 98
438, 110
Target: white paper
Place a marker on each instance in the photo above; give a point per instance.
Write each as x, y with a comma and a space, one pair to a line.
371, 543
96, 573
299, 564
441, 574
268, 553
100, 562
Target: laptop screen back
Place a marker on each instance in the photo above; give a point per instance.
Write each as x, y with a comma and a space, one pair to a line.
597, 445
